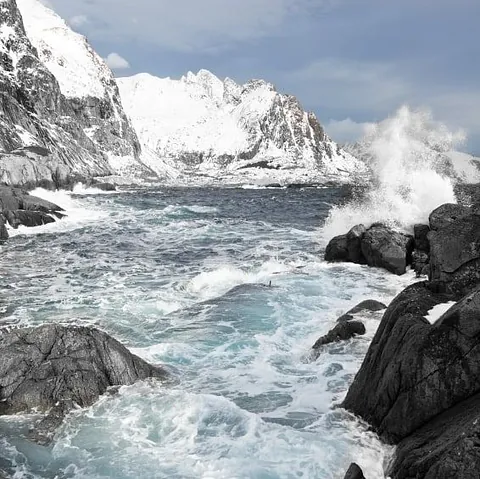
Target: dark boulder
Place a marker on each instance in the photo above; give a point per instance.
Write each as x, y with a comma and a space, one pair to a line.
370, 305
54, 366
447, 447
337, 249
455, 254
446, 214
27, 218
341, 332
388, 249
413, 370
3, 229
18, 207
420, 263
354, 472
420, 237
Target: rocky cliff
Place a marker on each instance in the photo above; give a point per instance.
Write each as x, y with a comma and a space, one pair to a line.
60, 113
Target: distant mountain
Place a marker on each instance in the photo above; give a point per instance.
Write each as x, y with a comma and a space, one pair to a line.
201, 125
60, 112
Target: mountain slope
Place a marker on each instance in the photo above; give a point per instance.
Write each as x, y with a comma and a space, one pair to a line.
60, 112
207, 126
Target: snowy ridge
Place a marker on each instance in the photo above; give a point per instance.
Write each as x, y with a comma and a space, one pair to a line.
203, 125
79, 71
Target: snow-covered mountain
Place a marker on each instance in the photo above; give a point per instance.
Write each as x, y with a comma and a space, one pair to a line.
60, 111
201, 125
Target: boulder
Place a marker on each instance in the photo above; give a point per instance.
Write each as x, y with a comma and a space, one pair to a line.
18, 207
341, 332
3, 229
52, 367
420, 263
368, 305
420, 237
414, 370
388, 249
337, 249
455, 253
446, 214
446, 447
354, 472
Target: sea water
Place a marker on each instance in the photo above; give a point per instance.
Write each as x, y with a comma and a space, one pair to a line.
228, 289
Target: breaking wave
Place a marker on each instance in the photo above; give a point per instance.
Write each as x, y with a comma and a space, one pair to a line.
406, 155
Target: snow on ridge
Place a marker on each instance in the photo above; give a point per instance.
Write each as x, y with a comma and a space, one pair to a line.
210, 126
79, 71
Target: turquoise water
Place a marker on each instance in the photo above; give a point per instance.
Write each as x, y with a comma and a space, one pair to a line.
226, 287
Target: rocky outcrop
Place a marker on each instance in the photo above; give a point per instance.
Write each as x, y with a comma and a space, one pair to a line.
51, 368
50, 134
347, 327
419, 384
18, 207
354, 472
378, 246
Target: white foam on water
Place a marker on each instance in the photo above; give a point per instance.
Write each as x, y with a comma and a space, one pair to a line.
437, 311
405, 158
81, 189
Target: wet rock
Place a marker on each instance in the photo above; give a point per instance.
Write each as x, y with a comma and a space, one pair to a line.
54, 366
341, 332
337, 249
3, 229
420, 263
455, 253
446, 214
388, 249
27, 218
413, 370
420, 237
354, 472
446, 447
368, 305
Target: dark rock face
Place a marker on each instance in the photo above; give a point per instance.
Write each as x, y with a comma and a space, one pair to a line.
54, 366
376, 246
341, 332
408, 374
420, 237
388, 249
354, 472
20, 208
446, 214
445, 448
45, 136
455, 252
368, 305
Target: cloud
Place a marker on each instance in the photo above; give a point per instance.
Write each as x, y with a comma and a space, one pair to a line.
78, 20
117, 62
187, 25
347, 130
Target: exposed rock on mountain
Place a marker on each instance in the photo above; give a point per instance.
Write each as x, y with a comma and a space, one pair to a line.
60, 113
51, 368
213, 126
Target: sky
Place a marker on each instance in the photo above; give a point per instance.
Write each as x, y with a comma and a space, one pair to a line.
352, 62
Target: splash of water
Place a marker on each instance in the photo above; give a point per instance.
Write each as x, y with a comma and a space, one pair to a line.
405, 153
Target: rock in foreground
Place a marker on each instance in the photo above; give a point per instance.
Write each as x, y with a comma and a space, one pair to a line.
54, 366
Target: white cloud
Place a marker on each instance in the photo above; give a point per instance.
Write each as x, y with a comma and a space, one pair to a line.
347, 130
117, 62
187, 25
78, 20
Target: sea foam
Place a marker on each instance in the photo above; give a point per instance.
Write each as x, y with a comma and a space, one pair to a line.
406, 156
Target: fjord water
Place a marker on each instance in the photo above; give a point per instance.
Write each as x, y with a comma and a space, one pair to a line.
228, 288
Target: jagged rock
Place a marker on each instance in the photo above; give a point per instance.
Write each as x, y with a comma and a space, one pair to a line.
446, 447
455, 252
420, 263
385, 248
420, 237
18, 207
367, 305
54, 366
446, 214
3, 229
58, 120
354, 472
414, 370
341, 332
354, 244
